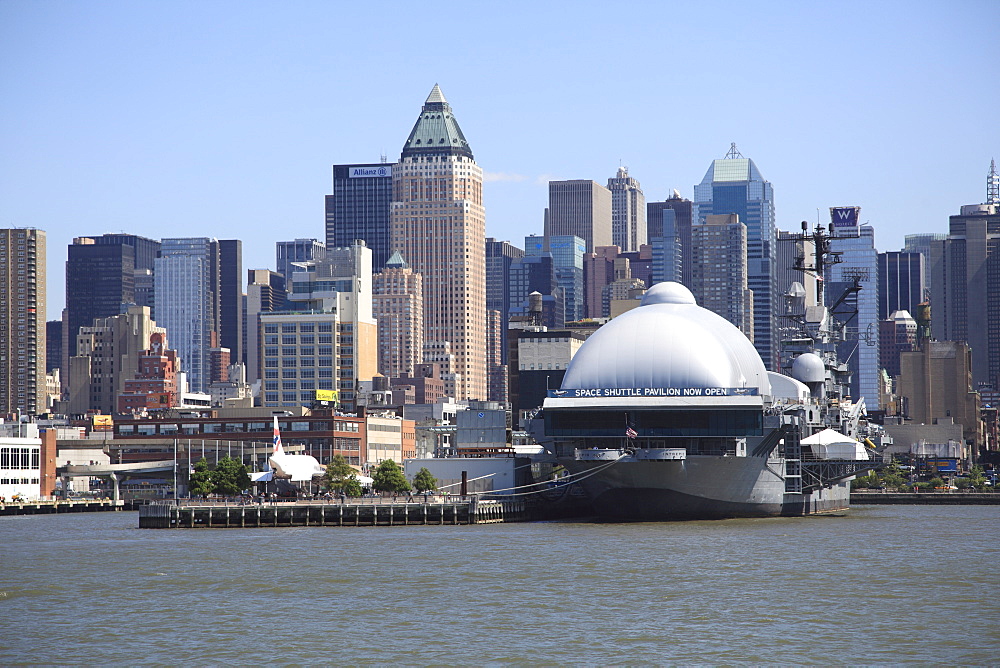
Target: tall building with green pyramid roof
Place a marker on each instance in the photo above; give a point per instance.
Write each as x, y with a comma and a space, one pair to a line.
438, 224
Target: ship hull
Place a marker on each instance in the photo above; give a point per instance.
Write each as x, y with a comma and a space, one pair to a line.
699, 487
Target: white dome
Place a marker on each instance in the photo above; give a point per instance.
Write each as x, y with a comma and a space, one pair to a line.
809, 368
668, 341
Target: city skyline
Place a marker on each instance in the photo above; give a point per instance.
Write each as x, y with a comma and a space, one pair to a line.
226, 123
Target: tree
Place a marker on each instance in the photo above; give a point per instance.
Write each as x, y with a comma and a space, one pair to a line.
424, 481
200, 482
389, 477
230, 477
977, 478
340, 477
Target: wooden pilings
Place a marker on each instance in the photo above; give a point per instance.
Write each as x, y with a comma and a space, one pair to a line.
474, 511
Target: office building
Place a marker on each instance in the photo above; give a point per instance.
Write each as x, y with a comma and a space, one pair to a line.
22, 321
298, 250
931, 252
897, 335
628, 211
535, 274
265, 293
720, 270
359, 209
231, 299
581, 208
735, 185
900, 282
965, 287
670, 221
439, 226
858, 267
567, 253
328, 340
499, 256
188, 302
398, 306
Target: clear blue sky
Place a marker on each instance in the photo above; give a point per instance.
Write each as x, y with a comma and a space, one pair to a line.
223, 118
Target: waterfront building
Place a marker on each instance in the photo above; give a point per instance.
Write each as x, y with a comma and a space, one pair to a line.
582, 208
359, 208
265, 293
670, 221
735, 185
108, 354
298, 250
542, 356
398, 307
328, 340
858, 267
720, 270
900, 282
27, 461
22, 321
389, 437
188, 302
628, 212
965, 287
438, 224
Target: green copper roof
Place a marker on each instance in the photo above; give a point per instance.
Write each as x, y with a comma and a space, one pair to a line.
436, 131
397, 259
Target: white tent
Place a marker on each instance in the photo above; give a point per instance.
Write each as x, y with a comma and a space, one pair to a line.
830, 444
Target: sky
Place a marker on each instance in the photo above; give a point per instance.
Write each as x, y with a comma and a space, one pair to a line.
223, 119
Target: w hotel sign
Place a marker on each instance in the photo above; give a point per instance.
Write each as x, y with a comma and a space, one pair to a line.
845, 220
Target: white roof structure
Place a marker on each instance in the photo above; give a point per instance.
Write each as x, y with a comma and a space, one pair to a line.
830, 444
668, 341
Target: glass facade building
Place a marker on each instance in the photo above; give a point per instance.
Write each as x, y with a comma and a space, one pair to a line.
567, 252
359, 209
861, 350
735, 185
900, 282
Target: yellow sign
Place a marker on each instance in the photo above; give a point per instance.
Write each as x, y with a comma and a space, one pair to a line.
326, 395
103, 421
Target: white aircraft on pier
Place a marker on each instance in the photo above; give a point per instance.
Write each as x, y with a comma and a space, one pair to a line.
297, 468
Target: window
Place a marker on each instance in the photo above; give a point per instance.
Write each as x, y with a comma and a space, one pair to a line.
288, 339
288, 328
271, 329
288, 396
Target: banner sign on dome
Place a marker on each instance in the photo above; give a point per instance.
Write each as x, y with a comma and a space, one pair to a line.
654, 392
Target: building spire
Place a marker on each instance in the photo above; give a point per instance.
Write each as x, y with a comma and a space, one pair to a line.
993, 184
733, 152
436, 95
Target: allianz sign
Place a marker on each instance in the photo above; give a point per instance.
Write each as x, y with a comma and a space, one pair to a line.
379, 171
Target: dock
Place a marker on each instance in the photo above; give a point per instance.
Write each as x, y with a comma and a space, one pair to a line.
194, 514
64, 506
925, 498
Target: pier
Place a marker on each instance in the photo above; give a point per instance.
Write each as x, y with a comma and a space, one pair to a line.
64, 506
196, 514
925, 498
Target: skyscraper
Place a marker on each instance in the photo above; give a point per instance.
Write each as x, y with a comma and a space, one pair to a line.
720, 270
359, 209
439, 226
965, 288
22, 321
188, 302
900, 282
582, 208
567, 253
231, 296
670, 220
735, 185
398, 305
859, 265
499, 256
628, 211
265, 294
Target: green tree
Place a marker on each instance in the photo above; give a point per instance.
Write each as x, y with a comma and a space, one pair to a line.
976, 477
340, 477
200, 482
230, 477
892, 476
389, 477
424, 481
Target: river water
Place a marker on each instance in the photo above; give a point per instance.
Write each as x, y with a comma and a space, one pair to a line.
875, 585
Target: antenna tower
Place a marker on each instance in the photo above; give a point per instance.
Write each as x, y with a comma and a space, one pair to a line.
733, 152
993, 184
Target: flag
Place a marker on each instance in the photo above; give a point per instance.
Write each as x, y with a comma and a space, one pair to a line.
630, 432
277, 438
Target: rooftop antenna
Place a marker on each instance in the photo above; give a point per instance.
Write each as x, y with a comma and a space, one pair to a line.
993, 184
733, 152
384, 157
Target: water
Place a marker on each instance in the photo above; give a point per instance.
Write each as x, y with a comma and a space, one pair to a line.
876, 585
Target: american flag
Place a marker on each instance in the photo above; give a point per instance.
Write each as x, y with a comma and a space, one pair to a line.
630, 432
